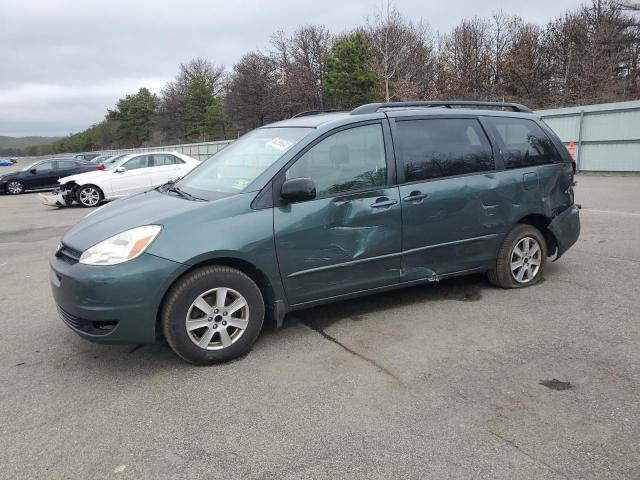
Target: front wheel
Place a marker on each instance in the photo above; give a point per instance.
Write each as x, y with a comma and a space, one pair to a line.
521, 259
89, 196
15, 187
213, 314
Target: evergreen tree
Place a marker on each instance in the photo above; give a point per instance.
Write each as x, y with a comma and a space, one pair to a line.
350, 79
135, 116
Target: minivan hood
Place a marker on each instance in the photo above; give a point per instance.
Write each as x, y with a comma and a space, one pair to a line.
149, 208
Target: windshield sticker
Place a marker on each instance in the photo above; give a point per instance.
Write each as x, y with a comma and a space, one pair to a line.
280, 144
240, 184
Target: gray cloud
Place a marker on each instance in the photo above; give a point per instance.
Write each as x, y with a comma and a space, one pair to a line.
64, 62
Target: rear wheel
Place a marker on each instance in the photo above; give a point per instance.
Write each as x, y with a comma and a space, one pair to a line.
521, 259
212, 315
89, 196
15, 187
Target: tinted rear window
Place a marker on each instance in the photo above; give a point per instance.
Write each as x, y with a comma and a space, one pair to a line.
525, 143
435, 148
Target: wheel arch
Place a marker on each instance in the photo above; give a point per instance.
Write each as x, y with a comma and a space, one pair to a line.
541, 222
91, 184
248, 268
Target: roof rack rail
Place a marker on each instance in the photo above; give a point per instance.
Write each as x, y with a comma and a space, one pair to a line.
374, 107
308, 113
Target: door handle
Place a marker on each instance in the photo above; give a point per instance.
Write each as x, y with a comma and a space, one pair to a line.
383, 202
414, 196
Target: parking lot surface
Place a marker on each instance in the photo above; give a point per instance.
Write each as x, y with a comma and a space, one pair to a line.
436, 381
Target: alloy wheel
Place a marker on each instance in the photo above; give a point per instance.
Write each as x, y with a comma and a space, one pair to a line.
217, 318
526, 259
14, 187
89, 196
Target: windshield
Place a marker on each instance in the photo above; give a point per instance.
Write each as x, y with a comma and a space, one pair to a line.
235, 167
99, 159
113, 162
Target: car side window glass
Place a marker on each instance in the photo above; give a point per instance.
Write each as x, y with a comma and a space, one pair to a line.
141, 161
436, 148
63, 165
525, 143
44, 167
352, 159
162, 160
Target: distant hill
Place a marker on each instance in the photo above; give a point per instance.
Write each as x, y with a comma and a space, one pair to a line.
25, 142
18, 146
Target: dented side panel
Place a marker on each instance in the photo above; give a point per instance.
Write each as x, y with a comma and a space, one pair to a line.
458, 226
339, 245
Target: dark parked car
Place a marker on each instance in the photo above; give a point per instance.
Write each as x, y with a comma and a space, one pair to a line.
319, 208
42, 174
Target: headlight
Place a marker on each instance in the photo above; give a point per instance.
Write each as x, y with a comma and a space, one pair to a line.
122, 247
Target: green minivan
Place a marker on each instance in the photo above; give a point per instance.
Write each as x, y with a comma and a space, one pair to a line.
318, 208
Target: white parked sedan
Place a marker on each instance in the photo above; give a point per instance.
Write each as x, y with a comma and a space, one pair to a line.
121, 176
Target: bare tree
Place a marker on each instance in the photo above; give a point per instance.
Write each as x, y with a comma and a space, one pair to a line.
300, 61
253, 95
465, 60
401, 51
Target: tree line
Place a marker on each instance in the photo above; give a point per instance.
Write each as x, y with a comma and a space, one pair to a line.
588, 55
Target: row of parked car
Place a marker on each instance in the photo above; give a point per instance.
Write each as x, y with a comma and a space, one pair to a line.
90, 179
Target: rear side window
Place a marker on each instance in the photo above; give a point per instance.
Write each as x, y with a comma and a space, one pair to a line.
348, 160
64, 164
162, 160
436, 148
525, 143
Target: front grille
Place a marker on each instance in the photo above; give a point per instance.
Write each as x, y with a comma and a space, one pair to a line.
69, 319
68, 254
91, 327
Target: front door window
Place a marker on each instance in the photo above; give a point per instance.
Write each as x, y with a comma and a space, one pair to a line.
346, 161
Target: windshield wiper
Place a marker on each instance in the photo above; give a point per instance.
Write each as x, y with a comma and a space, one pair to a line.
184, 194
166, 186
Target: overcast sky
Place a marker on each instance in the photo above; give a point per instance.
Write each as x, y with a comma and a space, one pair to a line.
64, 62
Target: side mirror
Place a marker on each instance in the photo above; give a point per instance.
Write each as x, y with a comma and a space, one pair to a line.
121, 170
298, 189
33, 170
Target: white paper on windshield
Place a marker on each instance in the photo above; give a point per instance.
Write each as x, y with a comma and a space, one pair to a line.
280, 144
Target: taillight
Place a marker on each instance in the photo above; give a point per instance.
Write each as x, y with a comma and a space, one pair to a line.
100, 166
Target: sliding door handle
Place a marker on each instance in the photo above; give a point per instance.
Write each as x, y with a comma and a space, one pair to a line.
383, 202
415, 196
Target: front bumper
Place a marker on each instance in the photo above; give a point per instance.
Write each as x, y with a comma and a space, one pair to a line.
111, 304
566, 228
53, 199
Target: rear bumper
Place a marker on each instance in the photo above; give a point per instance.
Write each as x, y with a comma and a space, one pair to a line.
112, 304
566, 228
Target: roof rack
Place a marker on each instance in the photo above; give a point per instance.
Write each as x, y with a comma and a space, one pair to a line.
308, 113
374, 107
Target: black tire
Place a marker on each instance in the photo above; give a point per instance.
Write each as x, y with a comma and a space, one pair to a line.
501, 275
178, 304
83, 198
16, 185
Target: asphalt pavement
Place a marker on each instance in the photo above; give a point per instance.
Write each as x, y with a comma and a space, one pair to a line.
451, 380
